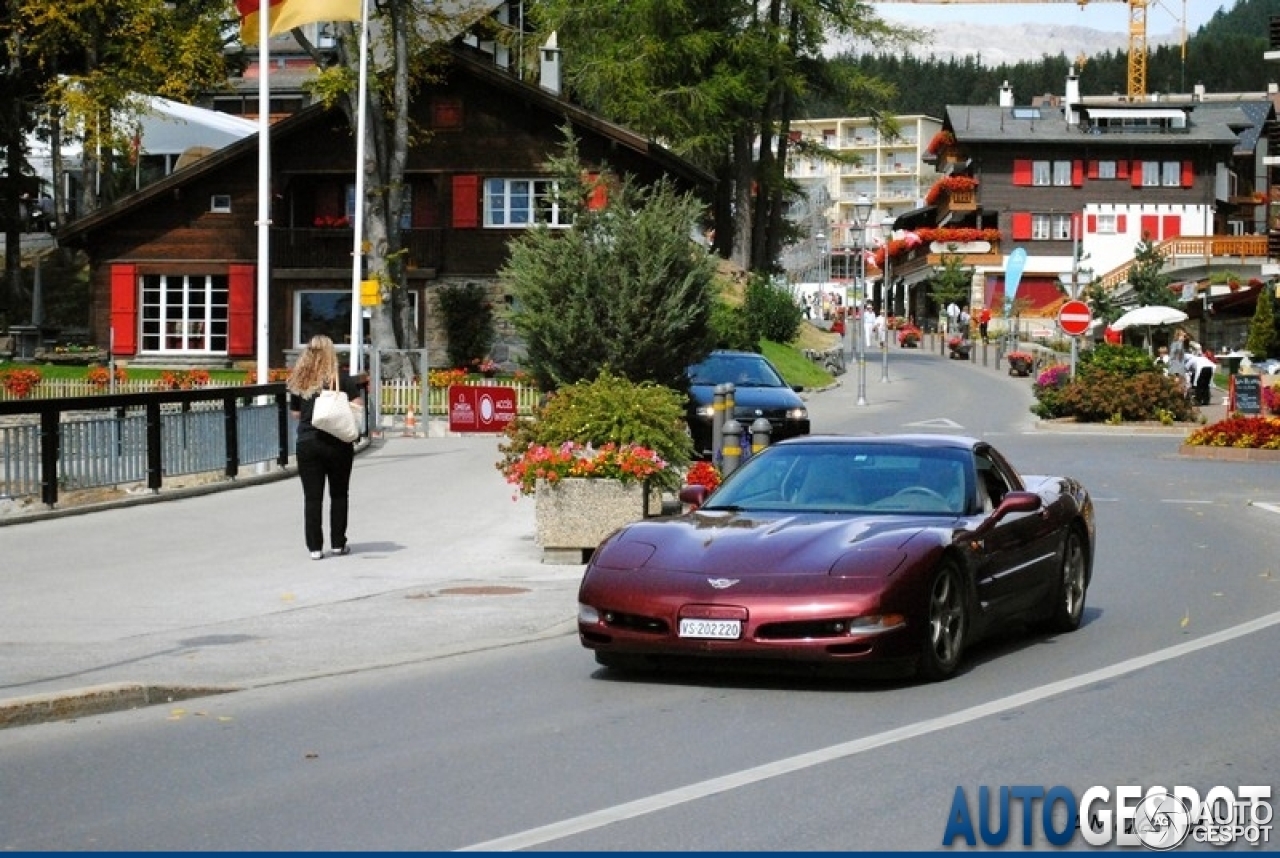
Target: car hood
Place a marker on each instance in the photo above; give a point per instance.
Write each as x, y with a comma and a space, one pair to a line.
744, 543
751, 397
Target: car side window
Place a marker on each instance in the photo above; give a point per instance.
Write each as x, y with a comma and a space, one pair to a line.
992, 486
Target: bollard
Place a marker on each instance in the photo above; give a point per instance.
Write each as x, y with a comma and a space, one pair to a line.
717, 420
761, 429
731, 452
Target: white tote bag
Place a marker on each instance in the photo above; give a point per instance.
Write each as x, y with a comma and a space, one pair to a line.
333, 413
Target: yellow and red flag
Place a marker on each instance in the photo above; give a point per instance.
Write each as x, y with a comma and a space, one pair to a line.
287, 14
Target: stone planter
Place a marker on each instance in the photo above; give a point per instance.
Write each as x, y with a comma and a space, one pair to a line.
573, 515
1020, 367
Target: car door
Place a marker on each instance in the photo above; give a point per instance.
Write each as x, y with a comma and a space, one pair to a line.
1019, 553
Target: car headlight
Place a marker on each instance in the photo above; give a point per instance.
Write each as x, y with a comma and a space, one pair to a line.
874, 624
588, 614
707, 411
797, 413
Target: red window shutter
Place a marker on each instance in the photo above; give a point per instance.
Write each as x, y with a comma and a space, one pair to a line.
1091, 223
1122, 169
1020, 225
240, 303
1077, 173
124, 309
1122, 224
598, 198
1150, 227
1188, 174
425, 215
1093, 169
1171, 226
466, 202
1135, 174
1022, 171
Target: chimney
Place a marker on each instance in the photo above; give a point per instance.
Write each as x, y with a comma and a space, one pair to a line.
1073, 97
1006, 95
549, 75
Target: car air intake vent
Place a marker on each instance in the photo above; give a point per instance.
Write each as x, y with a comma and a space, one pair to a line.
804, 630
635, 622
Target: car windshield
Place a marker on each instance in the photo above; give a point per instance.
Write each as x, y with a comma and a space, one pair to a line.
845, 478
740, 370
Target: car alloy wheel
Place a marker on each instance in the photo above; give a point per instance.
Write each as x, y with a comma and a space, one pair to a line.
1068, 604
948, 623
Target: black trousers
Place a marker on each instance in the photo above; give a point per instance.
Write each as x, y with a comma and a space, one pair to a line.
1203, 378
324, 459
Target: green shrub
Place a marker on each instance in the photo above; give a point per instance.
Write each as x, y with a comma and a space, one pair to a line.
1116, 360
1110, 397
609, 408
771, 311
729, 329
467, 317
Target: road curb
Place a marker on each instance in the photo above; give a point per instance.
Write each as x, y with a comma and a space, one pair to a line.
94, 700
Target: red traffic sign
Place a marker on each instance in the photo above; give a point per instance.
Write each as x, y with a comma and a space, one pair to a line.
1075, 318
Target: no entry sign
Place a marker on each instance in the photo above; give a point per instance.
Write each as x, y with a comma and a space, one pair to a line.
1074, 318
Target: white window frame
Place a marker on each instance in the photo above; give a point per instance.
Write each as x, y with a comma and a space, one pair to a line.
1040, 227
183, 313
1150, 174
1171, 174
1062, 174
1106, 169
220, 204
1106, 224
1041, 173
521, 203
1060, 227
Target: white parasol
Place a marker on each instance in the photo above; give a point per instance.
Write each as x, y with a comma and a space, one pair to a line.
1149, 316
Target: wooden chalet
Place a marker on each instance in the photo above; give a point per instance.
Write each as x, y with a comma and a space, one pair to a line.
174, 265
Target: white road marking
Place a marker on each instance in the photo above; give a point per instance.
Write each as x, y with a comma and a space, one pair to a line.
651, 804
937, 423
1184, 500
1269, 507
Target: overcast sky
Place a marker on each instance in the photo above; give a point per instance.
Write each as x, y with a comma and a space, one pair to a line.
1163, 16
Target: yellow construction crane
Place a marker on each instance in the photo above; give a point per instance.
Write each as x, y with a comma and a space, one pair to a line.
1137, 32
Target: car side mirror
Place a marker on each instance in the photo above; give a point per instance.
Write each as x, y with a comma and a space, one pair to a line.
1012, 502
694, 496
798, 388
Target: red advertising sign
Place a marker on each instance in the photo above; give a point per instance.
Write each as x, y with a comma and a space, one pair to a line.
481, 409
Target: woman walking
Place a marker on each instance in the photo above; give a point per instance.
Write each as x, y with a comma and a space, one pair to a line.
321, 457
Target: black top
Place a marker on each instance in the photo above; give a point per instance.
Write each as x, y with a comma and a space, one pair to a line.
307, 432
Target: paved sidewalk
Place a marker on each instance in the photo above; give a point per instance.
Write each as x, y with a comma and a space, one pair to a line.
131, 604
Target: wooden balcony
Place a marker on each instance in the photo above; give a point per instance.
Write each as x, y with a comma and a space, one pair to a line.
957, 202
327, 248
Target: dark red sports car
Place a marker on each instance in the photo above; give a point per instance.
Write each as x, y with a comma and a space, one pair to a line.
846, 551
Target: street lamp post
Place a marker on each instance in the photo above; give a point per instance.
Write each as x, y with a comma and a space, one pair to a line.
887, 292
821, 238
861, 211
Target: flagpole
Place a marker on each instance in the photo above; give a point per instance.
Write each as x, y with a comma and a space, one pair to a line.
264, 189
357, 251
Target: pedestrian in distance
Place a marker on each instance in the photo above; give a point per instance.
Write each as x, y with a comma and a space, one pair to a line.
984, 320
322, 458
1200, 376
1177, 365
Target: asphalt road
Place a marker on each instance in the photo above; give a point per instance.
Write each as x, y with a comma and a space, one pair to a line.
423, 726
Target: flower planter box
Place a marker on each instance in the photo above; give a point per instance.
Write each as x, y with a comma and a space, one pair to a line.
572, 516
1019, 367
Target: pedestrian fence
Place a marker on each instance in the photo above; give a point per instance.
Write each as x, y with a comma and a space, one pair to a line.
48, 446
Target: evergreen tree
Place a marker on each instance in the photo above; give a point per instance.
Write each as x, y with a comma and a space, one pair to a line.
623, 289
1146, 276
1262, 329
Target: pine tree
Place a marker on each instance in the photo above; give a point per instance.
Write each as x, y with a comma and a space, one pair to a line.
1262, 330
1146, 276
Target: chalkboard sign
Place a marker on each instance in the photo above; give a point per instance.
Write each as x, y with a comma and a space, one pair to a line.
1248, 393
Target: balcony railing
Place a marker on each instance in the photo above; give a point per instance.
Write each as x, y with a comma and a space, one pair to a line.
315, 247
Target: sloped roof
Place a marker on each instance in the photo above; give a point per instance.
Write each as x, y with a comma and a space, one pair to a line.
1046, 124
461, 60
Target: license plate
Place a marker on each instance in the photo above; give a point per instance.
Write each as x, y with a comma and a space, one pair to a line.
717, 629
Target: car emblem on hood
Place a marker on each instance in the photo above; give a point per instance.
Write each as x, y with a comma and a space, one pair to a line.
722, 583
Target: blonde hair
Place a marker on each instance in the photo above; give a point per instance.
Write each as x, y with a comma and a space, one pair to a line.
316, 367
